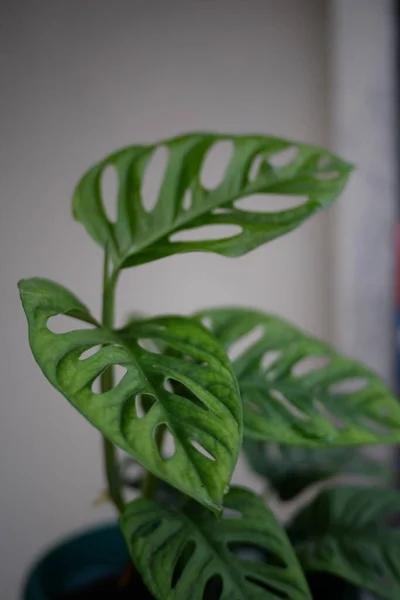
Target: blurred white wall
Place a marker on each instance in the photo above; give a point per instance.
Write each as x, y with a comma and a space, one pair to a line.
78, 80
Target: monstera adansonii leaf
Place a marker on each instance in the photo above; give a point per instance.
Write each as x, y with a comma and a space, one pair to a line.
203, 421
290, 470
298, 390
185, 202
352, 533
190, 554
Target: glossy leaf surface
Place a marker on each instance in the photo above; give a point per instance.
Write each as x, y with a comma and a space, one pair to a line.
290, 470
203, 422
352, 533
184, 203
192, 555
301, 391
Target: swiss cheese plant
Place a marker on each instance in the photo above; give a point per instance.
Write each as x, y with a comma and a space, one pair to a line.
171, 405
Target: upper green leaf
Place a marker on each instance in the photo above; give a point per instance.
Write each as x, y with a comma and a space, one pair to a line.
191, 555
289, 469
352, 533
298, 390
204, 419
257, 165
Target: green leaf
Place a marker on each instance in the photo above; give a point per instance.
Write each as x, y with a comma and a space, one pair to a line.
291, 469
182, 555
298, 390
352, 533
205, 435
184, 203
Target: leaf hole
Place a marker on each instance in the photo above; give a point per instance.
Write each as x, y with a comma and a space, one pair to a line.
207, 322
251, 405
64, 324
277, 593
187, 200
221, 211
242, 344
154, 177
164, 441
269, 203
329, 416
143, 404
349, 386
205, 233
375, 427
310, 364
326, 175
182, 561
215, 164
118, 372
168, 386
202, 450
324, 162
290, 407
256, 553
109, 184
90, 352
255, 167
269, 359
283, 158
231, 513
213, 588
149, 345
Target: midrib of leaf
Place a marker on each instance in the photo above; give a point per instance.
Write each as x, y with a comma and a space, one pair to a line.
180, 223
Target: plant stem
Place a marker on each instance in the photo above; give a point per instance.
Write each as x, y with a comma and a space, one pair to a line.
111, 465
148, 485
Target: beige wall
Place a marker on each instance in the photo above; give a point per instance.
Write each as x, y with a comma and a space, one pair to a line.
78, 80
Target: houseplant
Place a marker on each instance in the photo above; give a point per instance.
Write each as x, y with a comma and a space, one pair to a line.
180, 407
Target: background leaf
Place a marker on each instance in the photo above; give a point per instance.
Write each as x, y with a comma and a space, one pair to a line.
191, 555
289, 470
298, 390
203, 423
352, 533
257, 165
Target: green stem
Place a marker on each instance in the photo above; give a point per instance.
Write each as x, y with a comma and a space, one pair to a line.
111, 465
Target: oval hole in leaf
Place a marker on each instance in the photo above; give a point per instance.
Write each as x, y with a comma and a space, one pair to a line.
182, 561
164, 441
213, 588
119, 373
310, 364
143, 404
206, 232
221, 211
231, 513
255, 167
187, 200
202, 450
374, 426
245, 342
154, 177
65, 324
269, 202
283, 158
292, 408
268, 588
348, 386
89, 352
180, 389
215, 164
149, 345
109, 192
329, 415
255, 553
324, 162
207, 322
269, 359
327, 175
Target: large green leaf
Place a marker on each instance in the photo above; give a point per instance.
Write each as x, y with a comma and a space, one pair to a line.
291, 469
191, 555
139, 235
204, 419
298, 390
352, 533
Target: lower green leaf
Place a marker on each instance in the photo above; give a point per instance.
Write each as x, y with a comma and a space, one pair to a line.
202, 421
192, 555
352, 533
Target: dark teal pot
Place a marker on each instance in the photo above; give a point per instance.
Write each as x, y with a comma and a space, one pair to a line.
77, 562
